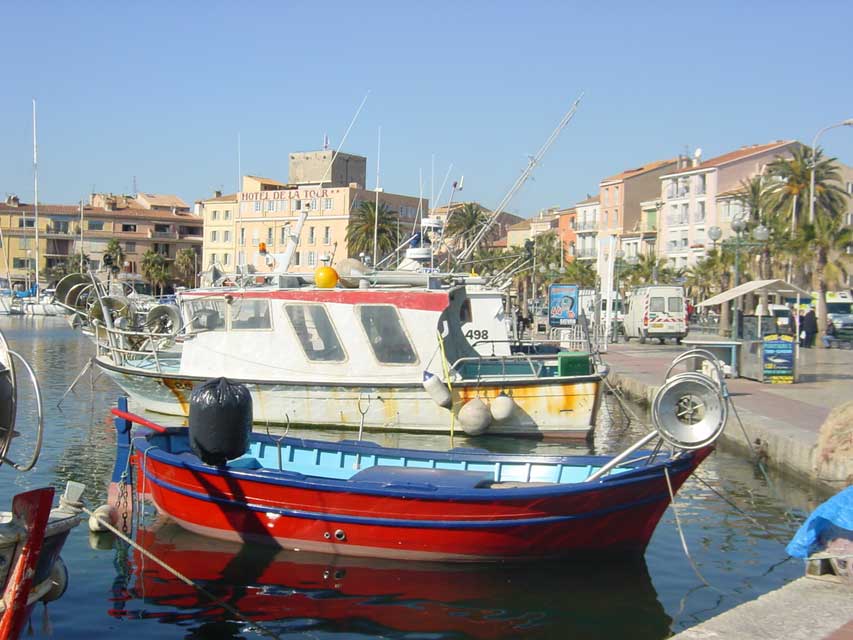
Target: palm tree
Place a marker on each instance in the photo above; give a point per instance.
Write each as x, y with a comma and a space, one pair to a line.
154, 269
649, 269
360, 230
185, 266
464, 223
828, 239
115, 251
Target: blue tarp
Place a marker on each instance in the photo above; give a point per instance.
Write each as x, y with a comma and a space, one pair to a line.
838, 511
29, 293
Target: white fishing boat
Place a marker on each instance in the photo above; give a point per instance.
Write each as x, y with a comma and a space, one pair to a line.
380, 356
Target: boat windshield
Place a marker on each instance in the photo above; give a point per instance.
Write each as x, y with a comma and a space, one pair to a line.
250, 314
316, 334
206, 315
386, 335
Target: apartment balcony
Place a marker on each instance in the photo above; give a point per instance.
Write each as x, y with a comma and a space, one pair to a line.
587, 225
61, 231
165, 235
699, 218
674, 221
585, 254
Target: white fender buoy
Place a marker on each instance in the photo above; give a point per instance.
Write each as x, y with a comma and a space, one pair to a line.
475, 418
437, 390
104, 512
58, 581
501, 407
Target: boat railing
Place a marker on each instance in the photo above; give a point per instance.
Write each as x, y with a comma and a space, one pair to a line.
502, 366
140, 346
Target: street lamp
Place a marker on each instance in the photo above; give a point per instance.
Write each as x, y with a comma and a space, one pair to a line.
760, 234
617, 263
843, 123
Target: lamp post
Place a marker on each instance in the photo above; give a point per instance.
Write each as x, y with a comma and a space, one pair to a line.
617, 264
844, 123
759, 233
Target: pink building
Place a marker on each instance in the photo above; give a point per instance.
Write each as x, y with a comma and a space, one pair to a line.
701, 194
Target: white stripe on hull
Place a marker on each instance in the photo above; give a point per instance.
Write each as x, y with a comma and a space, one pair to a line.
541, 409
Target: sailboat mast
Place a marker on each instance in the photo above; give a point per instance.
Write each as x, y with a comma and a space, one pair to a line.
376, 203
36, 190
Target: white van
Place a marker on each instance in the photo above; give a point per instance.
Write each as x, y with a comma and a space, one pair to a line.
656, 312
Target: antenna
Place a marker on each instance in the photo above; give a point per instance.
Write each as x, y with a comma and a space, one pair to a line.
134, 186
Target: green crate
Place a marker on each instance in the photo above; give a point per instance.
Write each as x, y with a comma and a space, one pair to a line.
574, 364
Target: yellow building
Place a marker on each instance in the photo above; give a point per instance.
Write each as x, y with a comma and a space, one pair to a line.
66, 229
267, 211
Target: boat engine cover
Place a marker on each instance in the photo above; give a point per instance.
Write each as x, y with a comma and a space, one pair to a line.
220, 421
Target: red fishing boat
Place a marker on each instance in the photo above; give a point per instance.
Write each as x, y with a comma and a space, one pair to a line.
357, 498
33, 533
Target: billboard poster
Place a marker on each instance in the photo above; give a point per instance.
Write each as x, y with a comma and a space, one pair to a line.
562, 305
778, 358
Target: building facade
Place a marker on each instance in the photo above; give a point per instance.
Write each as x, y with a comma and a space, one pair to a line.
701, 194
267, 211
620, 198
586, 228
66, 230
567, 221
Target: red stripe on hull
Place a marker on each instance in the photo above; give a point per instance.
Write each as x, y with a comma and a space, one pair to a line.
418, 300
616, 518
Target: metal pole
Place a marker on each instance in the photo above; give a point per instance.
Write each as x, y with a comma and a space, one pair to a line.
36, 189
736, 328
843, 123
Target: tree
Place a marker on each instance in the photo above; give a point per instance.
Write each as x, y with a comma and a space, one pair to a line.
71, 264
649, 269
114, 249
361, 228
154, 269
185, 266
464, 223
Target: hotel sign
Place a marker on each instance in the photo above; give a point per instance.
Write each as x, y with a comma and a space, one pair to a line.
285, 194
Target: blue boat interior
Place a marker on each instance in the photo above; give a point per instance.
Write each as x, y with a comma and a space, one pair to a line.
372, 463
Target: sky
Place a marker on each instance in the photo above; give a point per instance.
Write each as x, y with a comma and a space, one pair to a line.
161, 92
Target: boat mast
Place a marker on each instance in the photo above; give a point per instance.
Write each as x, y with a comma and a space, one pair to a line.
81, 236
36, 189
531, 164
376, 203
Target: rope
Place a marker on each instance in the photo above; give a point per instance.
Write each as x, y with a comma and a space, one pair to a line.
446, 370
681, 534
214, 600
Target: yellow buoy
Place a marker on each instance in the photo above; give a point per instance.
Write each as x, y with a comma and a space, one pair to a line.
325, 277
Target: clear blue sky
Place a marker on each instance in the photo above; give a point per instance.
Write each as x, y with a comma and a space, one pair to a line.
160, 90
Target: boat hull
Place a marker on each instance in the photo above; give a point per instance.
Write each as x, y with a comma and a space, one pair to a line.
615, 515
543, 407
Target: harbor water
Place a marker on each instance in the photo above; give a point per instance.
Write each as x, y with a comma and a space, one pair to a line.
735, 522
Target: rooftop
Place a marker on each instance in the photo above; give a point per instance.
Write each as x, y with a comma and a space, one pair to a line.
632, 173
738, 154
589, 200
162, 200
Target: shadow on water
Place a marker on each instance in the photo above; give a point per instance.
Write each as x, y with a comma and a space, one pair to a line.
300, 593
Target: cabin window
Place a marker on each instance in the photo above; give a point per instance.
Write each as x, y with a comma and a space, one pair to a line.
206, 315
657, 305
386, 335
675, 305
465, 315
248, 313
316, 334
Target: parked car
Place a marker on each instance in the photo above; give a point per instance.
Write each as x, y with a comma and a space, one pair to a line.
657, 311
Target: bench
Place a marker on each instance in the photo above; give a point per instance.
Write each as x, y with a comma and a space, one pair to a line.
423, 479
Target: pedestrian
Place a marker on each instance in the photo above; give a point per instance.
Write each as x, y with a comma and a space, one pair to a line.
829, 337
809, 327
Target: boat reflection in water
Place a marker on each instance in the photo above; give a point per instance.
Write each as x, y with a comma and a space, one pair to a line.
291, 592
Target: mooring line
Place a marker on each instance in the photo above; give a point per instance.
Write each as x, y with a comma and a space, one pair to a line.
213, 599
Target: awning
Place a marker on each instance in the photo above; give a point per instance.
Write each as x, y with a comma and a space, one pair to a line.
779, 287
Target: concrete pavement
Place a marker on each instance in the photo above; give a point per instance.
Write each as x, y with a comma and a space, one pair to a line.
786, 419
806, 609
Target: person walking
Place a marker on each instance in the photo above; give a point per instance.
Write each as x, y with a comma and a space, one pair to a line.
809, 328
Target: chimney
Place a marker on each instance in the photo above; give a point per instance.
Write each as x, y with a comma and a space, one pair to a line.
217, 194
12, 200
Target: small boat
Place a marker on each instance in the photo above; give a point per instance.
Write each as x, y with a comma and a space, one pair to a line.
33, 533
357, 498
